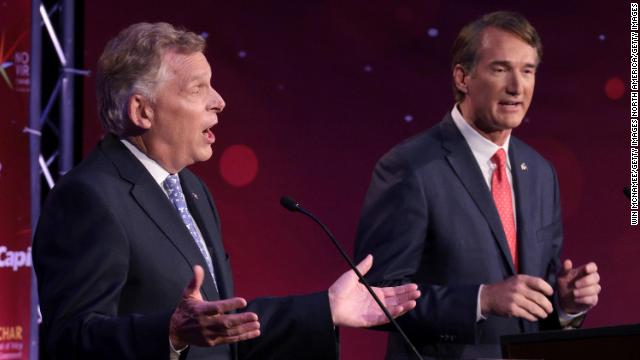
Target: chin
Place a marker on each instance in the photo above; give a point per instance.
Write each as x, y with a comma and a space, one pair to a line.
510, 122
205, 155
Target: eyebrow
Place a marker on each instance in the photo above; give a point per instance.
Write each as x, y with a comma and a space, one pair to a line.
194, 80
508, 64
201, 76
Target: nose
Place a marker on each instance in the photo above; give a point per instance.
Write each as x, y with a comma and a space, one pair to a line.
217, 103
515, 84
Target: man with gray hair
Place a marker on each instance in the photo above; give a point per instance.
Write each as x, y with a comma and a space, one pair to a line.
123, 233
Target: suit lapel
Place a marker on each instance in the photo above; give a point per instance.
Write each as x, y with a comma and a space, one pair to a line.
528, 252
205, 218
157, 206
468, 171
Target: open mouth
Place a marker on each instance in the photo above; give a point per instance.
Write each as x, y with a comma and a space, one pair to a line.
510, 104
209, 135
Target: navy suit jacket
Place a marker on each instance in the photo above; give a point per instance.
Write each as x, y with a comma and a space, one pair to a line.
112, 258
429, 218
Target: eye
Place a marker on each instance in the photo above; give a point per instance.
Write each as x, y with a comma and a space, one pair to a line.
197, 89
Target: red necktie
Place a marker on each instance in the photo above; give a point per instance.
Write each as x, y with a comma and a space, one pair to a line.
501, 192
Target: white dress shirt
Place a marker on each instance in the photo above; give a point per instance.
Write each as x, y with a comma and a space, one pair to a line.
483, 150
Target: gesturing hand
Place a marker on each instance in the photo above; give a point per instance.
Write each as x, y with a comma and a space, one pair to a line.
352, 305
521, 296
578, 288
204, 323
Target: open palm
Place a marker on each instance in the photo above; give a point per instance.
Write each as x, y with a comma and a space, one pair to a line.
352, 305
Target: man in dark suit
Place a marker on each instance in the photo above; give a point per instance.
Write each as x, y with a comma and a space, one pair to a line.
123, 233
472, 214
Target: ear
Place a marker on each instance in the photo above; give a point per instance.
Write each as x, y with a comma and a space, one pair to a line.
140, 111
460, 78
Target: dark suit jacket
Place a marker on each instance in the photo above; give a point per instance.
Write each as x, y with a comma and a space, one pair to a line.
429, 218
113, 257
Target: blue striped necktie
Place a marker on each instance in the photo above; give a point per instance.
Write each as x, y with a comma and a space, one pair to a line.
172, 185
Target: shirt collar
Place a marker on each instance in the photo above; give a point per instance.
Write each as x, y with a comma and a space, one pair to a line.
481, 148
158, 173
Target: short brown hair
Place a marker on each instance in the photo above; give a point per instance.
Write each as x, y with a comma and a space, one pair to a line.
130, 64
465, 47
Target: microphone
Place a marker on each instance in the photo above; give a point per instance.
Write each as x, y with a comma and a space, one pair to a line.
289, 204
292, 205
627, 191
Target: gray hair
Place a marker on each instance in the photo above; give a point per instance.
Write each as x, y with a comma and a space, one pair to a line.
130, 64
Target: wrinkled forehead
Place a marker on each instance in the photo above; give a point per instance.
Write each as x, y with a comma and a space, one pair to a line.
184, 67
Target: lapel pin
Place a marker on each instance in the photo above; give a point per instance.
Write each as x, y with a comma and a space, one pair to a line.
195, 196
523, 166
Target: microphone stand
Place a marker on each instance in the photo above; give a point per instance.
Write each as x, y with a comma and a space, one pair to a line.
294, 206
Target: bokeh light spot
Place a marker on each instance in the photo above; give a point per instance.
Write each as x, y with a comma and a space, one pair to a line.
238, 165
614, 88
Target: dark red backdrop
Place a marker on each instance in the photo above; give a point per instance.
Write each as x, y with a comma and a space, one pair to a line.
15, 212
319, 90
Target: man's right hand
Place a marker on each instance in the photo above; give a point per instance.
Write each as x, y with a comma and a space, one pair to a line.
521, 296
204, 323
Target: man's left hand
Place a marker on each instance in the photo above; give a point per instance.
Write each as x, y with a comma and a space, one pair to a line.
352, 305
578, 288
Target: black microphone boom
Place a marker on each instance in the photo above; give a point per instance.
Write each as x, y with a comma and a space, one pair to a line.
292, 205
288, 203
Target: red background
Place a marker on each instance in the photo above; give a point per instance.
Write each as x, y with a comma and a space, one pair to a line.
323, 90
15, 221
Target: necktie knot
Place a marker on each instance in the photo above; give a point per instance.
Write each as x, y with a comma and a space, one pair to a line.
499, 158
172, 183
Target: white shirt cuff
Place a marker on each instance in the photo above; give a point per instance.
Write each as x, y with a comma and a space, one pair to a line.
564, 318
174, 354
479, 316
